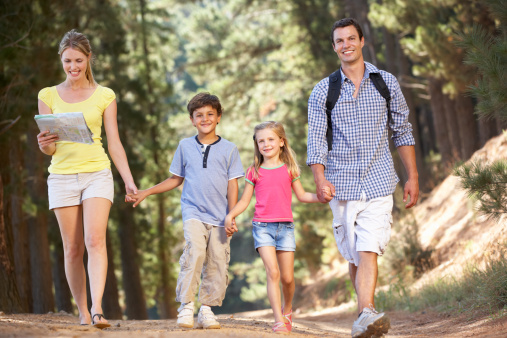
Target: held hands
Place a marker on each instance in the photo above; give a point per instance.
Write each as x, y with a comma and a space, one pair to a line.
325, 191
131, 190
230, 226
137, 197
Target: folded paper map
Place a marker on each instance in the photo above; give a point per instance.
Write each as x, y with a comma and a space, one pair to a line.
68, 126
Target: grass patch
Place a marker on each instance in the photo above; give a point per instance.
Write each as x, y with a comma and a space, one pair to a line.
479, 289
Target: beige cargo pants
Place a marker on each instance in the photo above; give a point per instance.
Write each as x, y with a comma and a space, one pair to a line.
206, 250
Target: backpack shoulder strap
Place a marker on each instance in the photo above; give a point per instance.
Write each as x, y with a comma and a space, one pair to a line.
333, 93
382, 88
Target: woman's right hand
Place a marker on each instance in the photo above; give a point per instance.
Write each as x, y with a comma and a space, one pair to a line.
138, 198
46, 141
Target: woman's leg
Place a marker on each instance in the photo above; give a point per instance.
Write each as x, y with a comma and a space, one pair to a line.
268, 255
70, 220
286, 263
95, 217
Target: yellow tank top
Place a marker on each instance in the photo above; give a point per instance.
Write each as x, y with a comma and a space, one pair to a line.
71, 157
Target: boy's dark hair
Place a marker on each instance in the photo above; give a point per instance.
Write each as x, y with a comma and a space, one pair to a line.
345, 23
203, 100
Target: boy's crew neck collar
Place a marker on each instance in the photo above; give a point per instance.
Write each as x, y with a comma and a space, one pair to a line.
197, 139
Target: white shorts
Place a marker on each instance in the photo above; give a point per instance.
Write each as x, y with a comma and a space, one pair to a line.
73, 189
362, 225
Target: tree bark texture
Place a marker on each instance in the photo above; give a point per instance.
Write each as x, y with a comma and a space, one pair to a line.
404, 73
40, 267
467, 126
9, 297
134, 294
21, 253
440, 120
487, 129
451, 118
110, 302
63, 295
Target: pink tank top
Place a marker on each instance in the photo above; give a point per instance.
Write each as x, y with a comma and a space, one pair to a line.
273, 192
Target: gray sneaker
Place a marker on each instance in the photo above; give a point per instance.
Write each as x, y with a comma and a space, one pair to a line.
370, 324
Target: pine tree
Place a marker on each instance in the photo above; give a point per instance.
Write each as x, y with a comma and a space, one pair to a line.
487, 51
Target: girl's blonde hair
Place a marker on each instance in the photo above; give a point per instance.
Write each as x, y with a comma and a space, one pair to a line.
78, 41
287, 155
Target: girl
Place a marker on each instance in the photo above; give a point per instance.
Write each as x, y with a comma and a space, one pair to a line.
272, 175
80, 184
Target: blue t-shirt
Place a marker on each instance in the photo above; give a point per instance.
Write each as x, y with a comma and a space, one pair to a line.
207, 176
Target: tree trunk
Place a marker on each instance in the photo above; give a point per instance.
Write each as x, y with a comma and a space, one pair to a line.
19, 226
391, 49
487, 130
134, 295
451, 119
440, 120
9, 297
42, 291
467, 126
404, 72
167, 308
110, 302
63, 295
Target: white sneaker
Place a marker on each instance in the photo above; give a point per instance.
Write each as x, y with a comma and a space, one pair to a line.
370, 324
206, 318
186, 315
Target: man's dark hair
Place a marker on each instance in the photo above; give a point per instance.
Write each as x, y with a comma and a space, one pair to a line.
203, 100
345, 23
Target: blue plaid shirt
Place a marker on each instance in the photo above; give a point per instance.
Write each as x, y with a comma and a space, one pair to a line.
360, 159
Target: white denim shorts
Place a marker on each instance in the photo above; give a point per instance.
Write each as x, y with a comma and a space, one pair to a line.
73, 189
362, 225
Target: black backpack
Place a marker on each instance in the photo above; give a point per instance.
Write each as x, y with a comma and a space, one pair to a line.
333, 93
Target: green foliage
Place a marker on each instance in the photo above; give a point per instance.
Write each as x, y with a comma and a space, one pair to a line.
481, 289
487, 184
486, 50
427, 31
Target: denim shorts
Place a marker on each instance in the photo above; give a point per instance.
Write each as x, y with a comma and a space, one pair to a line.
276, 234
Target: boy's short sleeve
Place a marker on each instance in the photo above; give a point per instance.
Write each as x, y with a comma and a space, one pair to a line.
177, 165
250, 177
235, 169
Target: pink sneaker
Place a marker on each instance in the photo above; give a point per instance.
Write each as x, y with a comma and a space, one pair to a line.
280, 327
288, 316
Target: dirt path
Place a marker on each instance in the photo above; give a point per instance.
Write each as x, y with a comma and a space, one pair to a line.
254, 324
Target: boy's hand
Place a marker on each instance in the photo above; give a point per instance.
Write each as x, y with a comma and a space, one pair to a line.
230, 226
139, 197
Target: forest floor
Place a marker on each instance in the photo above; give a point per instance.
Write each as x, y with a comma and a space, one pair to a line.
328, 323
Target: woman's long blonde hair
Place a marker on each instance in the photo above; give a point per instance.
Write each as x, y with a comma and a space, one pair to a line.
78, 41
287, 155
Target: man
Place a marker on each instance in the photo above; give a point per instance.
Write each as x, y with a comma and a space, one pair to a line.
357, 175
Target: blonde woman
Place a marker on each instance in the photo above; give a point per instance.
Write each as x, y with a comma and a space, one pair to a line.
273, 176
80, 184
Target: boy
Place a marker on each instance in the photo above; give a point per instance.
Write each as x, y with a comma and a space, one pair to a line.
210, 166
